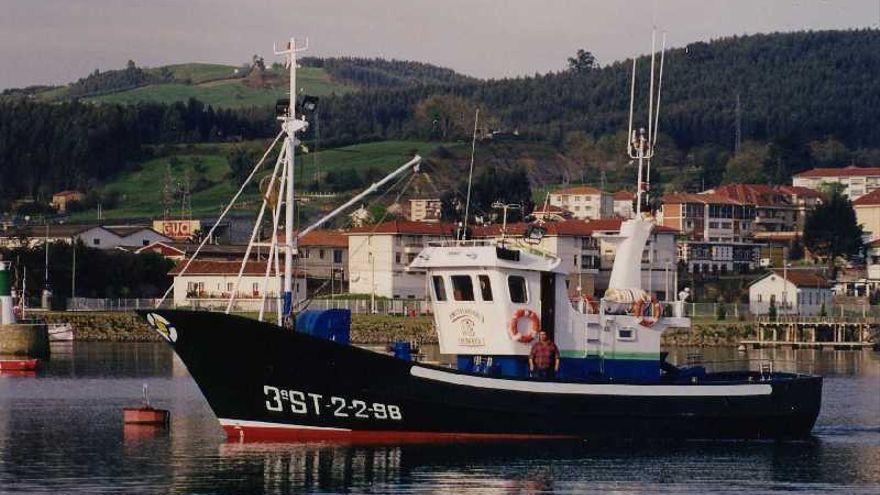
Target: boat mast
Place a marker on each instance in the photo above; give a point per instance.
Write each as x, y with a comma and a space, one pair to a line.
291, 124
641, 143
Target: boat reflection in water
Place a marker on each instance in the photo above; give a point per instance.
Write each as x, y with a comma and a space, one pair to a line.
528, 467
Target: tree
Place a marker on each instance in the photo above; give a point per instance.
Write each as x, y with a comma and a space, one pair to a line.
582, 62
830, 153
446, 116
747, 166
241, 161
831, 230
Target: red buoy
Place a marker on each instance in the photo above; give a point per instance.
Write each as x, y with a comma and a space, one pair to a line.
146, 414
19, 364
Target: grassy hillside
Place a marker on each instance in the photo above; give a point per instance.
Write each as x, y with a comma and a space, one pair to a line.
226, 93
140, 191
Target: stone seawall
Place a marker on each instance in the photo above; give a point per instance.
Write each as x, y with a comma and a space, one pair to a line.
24, 340
369, 329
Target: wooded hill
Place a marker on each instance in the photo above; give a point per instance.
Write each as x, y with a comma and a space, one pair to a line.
805, 98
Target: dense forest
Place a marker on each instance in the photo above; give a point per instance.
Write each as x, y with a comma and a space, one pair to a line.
378, 73
805, 98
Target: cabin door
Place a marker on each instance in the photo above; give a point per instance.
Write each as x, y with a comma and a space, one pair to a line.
548, 302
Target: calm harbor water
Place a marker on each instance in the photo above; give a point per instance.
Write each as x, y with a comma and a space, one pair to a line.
61, 431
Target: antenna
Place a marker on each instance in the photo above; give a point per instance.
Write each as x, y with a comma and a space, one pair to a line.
467, 204
291, 124
641, 143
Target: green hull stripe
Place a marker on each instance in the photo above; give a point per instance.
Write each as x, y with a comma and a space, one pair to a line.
611, 355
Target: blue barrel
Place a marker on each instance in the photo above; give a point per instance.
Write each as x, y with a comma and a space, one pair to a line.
330, 324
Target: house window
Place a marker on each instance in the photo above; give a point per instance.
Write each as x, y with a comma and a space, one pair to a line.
321, 253
145, 242
96, 241
485, 287
439, 288
305, 254
462, 288
397, 258
229, 286
337, 256
575, 261
516, 285
255, 287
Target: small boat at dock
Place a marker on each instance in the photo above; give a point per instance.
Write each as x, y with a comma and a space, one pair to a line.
12, 364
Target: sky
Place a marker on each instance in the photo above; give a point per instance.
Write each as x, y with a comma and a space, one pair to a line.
58, 41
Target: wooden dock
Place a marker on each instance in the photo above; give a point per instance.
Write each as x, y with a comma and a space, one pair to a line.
815, 333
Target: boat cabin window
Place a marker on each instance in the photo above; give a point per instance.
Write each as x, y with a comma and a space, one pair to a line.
626, 333
517, 287
439, 288
485, 287
462, 288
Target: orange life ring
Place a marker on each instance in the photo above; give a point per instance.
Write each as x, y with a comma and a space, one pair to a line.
592, 305
534, 326
650, 311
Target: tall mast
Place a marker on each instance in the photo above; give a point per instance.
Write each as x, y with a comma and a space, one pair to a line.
291, 124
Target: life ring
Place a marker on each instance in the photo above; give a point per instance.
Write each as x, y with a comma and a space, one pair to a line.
534, 326
649, 310
591, 305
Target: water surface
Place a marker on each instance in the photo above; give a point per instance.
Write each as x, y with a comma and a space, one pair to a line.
61, 431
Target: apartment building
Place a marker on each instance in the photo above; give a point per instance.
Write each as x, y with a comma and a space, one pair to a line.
856, 181
379, 257
867, 210
584, 202
324, 254
777, 208
208, 284
708, 217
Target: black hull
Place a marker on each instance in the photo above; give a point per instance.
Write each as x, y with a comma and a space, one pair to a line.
266, 383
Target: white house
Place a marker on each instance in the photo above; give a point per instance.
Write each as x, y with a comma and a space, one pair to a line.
95, 236
209, 283
623, 204
856, 181
799, 292
379, 257
584, 202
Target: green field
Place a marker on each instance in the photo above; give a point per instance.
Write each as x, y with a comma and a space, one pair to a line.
215, 85
140, 191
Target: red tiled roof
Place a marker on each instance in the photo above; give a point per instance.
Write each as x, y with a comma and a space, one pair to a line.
220, 267
570, 228
803, 278
331, 238
800, 191
851, 171
702, 198
624, 195
577, 190
405, 227
550, 209
757, 194
870, 199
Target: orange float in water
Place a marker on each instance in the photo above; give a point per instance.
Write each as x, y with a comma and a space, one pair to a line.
146, 414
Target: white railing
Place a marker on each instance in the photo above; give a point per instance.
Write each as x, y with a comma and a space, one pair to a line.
112, 304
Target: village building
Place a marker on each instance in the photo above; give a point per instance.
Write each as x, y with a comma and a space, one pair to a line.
425, 209
551, 213
61, 199
208, 284
777, 208
323, 254
867, 210
584, 202
94, 236
623, 204
792, 292
856, 181
379, 257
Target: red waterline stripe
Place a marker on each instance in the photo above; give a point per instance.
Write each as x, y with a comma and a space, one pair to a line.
235, 433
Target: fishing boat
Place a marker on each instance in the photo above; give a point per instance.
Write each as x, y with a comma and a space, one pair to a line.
489, 300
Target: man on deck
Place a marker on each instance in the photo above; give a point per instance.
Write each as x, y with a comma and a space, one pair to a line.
544, 358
